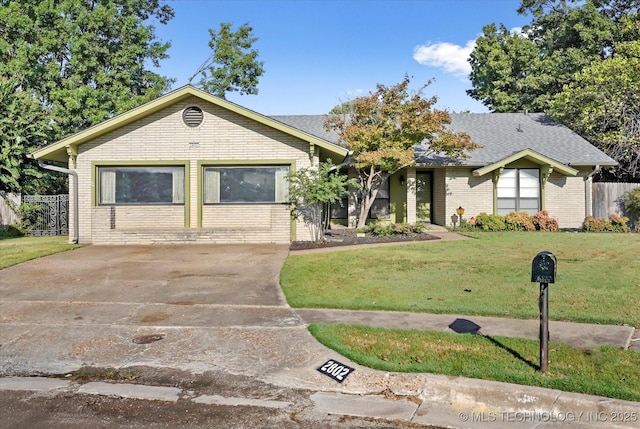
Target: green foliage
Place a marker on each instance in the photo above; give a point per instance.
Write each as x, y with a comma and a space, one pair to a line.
12, 231
603, 105
577, 60
29, 215
312, 188
518, 71
487, 222
543, 222
23, 125
66, 65
519, 221
382, 229
632, 201
233, 64
614, 224
381, 130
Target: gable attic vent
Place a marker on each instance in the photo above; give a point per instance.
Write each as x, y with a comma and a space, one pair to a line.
192, 116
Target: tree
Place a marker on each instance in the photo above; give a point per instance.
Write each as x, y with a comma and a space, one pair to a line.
603, 105
523, 70
22, 121
312, 189
83, 61
233, 64
381, 130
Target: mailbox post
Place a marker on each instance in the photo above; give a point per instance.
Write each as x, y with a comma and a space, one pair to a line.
543, 271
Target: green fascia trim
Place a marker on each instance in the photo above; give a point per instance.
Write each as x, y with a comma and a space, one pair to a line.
532, 156
57, 151
168, 163
236, 163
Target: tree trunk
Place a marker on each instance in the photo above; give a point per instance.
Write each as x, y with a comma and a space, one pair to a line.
369, 193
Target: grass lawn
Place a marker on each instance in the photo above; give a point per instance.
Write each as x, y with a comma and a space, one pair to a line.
598, 277
603, 371
16, 250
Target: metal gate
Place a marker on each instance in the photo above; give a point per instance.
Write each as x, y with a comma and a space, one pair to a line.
50, 214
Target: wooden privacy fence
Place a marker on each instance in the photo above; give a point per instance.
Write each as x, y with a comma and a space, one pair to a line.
8, 216
608, 199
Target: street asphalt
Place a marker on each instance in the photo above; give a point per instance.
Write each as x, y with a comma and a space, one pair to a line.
203, 307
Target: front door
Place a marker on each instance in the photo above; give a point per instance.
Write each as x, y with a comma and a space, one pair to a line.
423, 197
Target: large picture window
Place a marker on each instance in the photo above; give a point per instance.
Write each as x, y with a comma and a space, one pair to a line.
246, 184
141, 185
519, 191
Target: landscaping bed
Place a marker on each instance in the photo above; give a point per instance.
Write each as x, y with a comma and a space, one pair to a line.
347, 237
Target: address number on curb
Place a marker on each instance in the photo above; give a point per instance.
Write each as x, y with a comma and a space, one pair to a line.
336, 370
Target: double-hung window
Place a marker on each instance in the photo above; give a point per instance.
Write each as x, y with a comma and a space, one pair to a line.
141, 185
519, 190
237, 185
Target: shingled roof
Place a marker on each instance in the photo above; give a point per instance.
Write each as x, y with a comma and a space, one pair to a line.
501, 135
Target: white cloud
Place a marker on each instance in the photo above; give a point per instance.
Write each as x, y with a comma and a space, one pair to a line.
448, 56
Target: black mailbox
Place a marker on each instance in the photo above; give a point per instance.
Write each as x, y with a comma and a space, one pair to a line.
543, 268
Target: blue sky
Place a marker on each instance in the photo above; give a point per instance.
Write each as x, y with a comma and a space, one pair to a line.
319, 53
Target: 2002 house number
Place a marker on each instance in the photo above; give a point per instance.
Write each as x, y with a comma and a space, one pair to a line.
335, 370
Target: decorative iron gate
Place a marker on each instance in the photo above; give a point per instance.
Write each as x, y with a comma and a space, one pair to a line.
50, 214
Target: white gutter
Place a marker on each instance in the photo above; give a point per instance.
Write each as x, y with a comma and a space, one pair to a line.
588, 180
75, 194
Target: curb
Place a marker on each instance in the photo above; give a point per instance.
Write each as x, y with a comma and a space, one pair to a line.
447, 402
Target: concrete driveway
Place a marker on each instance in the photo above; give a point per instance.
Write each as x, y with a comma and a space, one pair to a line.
167, 274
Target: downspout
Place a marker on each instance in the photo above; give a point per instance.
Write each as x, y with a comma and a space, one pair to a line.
588, 203
75, 194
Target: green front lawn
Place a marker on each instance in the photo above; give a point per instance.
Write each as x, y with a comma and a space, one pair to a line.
597, 282
490, 275
15, 250
604, 371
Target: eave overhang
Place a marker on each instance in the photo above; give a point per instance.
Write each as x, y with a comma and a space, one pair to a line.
59, 151
529, 155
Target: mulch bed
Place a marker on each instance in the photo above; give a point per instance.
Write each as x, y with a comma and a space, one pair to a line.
348, 237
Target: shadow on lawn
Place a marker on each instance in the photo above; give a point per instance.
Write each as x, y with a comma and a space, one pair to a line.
465, 326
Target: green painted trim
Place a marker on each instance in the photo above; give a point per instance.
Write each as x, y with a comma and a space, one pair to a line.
237, 163
144, 163
530, 155
57, 151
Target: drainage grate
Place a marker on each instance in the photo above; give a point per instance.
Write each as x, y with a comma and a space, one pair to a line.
146, 339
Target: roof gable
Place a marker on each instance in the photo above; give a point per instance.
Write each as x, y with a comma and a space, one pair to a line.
531, 156
59, 150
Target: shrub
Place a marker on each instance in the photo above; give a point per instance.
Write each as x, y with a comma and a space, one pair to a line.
488, 222
619, 223
543, 222
519, 221
614, 224
632, 201
393, 229
12, 231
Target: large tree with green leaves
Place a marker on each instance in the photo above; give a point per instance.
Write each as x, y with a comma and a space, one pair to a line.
527, 70
233, 64
382, 128
515, 71
82, 61
603, 105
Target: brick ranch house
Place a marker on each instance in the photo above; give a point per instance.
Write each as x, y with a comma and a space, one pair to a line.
191, 167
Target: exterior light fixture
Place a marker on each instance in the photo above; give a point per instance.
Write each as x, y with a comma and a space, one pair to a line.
401, 180
460, 212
